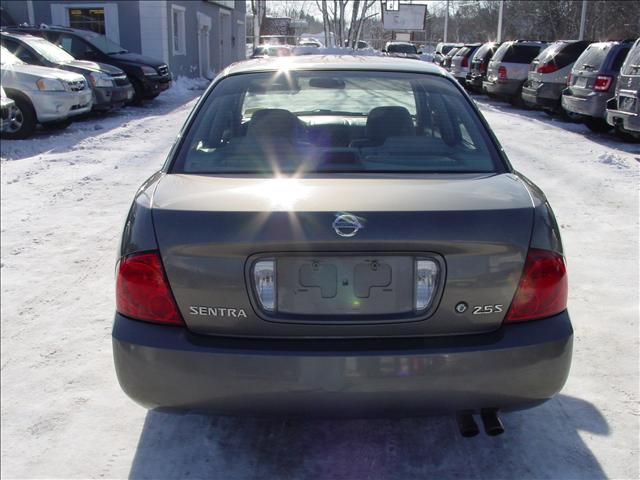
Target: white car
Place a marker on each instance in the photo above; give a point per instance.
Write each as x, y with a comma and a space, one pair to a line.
48, 96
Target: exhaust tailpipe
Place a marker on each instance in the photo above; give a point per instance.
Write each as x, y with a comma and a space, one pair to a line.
467, 425
492, 424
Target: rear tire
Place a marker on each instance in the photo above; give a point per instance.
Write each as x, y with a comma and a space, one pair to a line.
22, 121
597, 125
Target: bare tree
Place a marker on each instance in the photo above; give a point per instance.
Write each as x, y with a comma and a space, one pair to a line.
259, 10
334, 17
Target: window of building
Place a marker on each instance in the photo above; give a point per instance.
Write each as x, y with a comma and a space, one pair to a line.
87, 19
178, 30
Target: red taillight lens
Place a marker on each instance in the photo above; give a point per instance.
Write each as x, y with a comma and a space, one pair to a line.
569, 80
603, 82
465, 62
483, 67
543, 287
547, 68
142, 290
502, 73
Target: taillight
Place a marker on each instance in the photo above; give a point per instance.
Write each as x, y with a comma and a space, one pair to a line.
603, 82
502, 73
569, 77
547, 68
465, 62
483, 67
543, 288
142, 290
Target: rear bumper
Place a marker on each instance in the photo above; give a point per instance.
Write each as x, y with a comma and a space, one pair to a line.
593, 105
516, 367
504, 88
627, 121
544, 95
474, 80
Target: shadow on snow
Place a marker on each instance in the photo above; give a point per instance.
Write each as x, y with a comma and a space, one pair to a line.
543, 442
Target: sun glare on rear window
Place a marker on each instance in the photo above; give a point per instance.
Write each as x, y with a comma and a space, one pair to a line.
336, 121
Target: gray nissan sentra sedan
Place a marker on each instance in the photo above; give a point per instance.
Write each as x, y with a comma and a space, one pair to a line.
340, 236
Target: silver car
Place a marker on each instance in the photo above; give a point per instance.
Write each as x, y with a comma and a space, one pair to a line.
343, 237
48, 96
593, 81
548, 74
623, 110
461, 62
509, 67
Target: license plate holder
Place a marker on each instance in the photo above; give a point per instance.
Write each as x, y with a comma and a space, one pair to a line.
345, 285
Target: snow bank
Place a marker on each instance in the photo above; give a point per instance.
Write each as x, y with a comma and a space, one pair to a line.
185, 87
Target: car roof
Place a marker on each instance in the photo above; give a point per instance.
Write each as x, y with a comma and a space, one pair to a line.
20, 35
334, 62
45, 28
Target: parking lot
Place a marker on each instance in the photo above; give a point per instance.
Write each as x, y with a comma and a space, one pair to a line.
64, 197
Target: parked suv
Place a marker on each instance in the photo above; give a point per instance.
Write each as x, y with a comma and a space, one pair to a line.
441, 51
479, 63
448, 58
110, 86
548, 74
623, 110
461, 61
509, 67
42, 95
593, 81
149, 76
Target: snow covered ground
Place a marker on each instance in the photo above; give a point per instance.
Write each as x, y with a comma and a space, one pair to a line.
64, 197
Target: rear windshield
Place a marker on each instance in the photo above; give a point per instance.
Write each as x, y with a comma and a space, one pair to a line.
593, 57
445, 49
402, 48
632, 63
562, 54
482, 51
516, 53
336, 121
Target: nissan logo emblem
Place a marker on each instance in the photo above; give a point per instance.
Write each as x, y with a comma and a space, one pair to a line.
346, 224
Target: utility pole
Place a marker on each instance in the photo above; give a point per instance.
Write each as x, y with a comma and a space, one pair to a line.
583, 19
499, 39
446, 22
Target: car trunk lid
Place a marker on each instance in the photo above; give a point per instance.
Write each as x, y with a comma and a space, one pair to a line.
211, 228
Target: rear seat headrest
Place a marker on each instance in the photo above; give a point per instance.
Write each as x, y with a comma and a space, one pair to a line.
273, 122
384, 122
